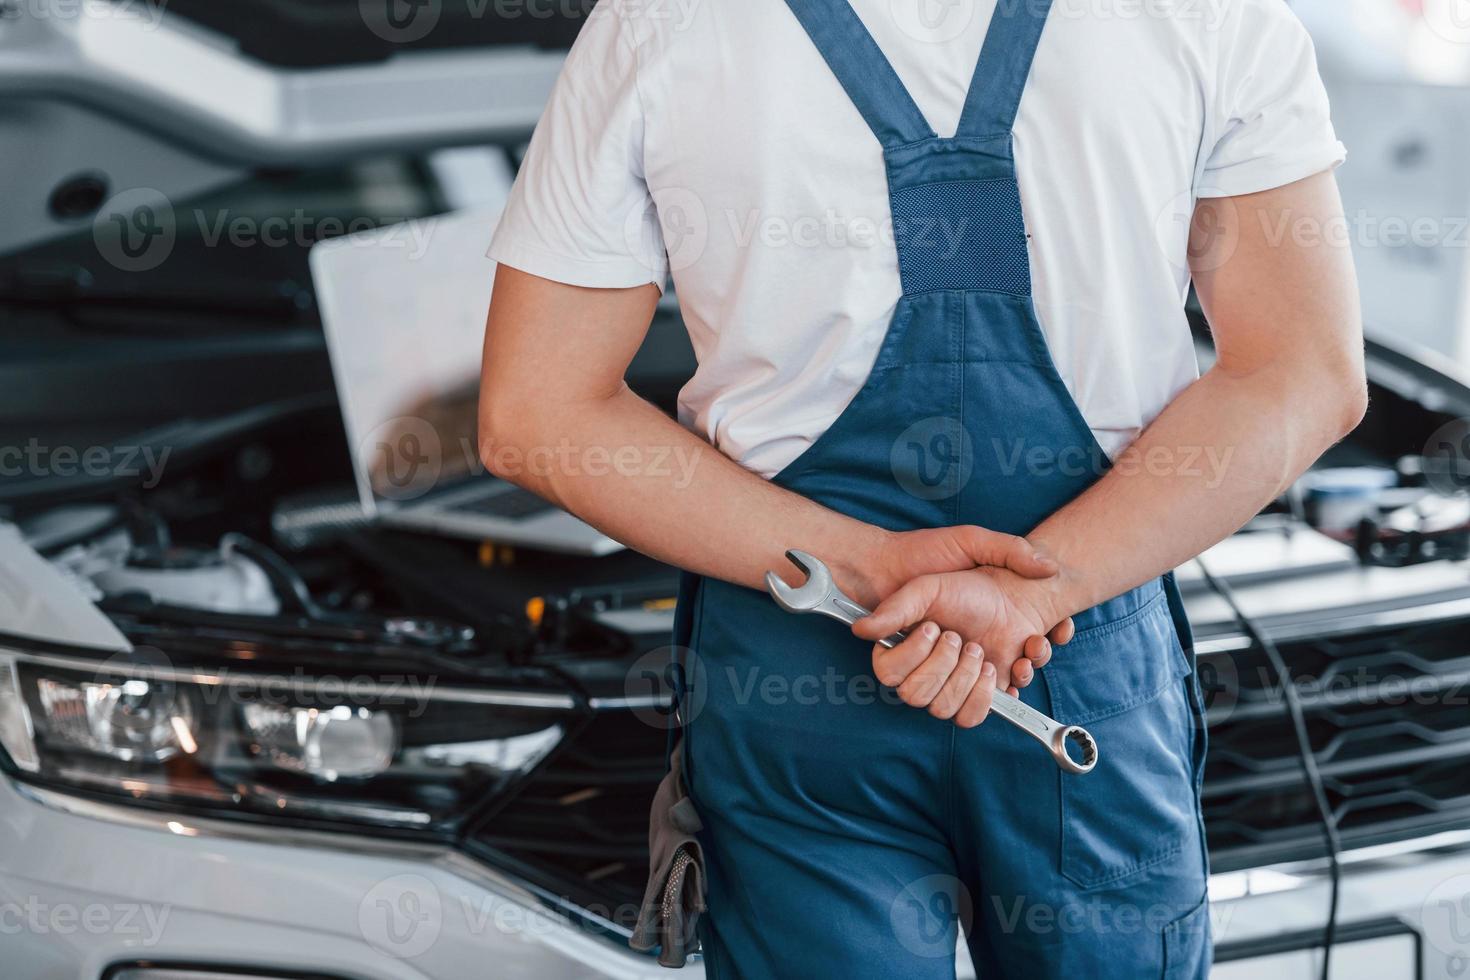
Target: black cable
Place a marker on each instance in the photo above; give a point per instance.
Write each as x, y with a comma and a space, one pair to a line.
1304, 746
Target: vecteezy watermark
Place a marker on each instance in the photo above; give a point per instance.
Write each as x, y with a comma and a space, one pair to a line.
1198, 230
141, 924
933, 458
938, 21
1448, 19
661, 679
150, 676
1364, 229
146, 12
1208, 463
401, 21
670, 231
929, 914
1210, 13
401, 916
36, 460
409, 21
665, 687
137, 230
675, 463
299, 229
407, 458
772, 687
674, 228
1201, 231
1446, 457
1445, 920
404, 916
1095, 916
1218, 681
833, 230
934, 21
1362, 687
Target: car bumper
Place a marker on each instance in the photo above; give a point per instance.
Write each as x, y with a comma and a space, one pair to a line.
85, 887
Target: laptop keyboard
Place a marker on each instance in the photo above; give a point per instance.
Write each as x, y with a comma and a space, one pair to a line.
512, 504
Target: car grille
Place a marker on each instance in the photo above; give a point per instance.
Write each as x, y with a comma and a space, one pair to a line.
1386, 709
580, 827
1388, 713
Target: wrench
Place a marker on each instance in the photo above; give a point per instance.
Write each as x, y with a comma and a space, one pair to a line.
819, 594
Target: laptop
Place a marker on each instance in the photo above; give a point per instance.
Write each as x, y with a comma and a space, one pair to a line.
403, 310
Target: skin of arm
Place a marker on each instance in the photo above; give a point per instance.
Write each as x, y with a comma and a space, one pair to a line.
557, 417
1282, 300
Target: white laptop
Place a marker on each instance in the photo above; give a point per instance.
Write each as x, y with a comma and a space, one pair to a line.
403, 309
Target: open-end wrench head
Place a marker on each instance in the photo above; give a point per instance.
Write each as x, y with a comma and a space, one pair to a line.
811, 593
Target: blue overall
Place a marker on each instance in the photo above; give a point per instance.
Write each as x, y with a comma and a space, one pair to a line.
851, 836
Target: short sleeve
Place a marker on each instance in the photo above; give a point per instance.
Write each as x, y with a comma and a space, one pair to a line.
580, 211
1272, 124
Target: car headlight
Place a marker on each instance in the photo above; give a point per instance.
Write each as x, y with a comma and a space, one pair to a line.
395, 751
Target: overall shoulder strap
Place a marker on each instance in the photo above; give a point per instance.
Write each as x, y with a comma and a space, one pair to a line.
860, 66
1004, 66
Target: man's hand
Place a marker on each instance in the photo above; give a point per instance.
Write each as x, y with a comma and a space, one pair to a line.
1005, 618
900, 559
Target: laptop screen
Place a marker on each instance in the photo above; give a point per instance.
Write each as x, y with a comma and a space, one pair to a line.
403, 309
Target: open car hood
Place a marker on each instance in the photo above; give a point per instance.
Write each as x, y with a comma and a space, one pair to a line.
180, 97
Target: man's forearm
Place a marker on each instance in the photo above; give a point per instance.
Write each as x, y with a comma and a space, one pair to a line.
1287, 385
643, 479
1226, 447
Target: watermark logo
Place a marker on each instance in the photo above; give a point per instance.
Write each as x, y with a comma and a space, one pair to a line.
933, 21
146, 13
401, 21
138, 925
1197, 237
1447, 457
1445, 919
675, 223
933, 458
1448, 19
658, 689
405, 457
929, 915
1219, 687
37, 460
135, 231
401, 916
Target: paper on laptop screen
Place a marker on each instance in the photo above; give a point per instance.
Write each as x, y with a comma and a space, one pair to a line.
403, 309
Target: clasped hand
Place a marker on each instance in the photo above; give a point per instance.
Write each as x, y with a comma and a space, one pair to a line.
979, 615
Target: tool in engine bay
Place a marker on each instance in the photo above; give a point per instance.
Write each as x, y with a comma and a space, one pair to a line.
1406, 515
125, 560
820, 594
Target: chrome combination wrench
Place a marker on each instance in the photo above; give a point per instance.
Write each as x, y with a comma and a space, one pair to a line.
819, 594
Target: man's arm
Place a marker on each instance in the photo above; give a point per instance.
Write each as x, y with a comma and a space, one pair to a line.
557, 417
1288, 383
1281, 296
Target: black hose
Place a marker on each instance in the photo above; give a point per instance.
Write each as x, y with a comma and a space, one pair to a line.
1304, 747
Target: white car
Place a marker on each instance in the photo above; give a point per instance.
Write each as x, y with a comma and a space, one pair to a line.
245, 735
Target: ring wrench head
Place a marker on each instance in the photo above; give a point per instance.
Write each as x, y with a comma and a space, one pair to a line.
1086, 745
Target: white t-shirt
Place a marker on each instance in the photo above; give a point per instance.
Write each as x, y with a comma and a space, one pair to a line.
708, 140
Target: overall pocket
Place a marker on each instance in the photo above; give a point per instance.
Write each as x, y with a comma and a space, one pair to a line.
1126, 682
